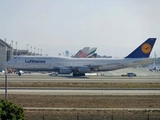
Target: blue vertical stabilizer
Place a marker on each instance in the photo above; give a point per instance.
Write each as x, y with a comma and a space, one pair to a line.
144, 50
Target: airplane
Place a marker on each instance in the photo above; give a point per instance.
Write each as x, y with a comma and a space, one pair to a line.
82, 53
93, 55
86, 52
80, 66
154, 67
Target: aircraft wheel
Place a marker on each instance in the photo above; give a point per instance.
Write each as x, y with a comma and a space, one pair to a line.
19, 74
83, 74
74, 74
78, 74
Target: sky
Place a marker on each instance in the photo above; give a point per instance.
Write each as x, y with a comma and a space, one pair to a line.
115, 27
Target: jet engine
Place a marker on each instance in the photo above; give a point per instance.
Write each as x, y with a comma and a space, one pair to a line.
64, 71
83, 69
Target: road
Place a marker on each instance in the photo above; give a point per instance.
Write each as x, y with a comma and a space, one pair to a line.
82, 92
88, 79
143, 77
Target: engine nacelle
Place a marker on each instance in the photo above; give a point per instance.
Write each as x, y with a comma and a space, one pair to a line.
64, 71
83, 69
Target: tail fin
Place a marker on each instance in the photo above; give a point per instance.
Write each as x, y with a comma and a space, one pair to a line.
144, 50
93, 56
91, 51
82, 53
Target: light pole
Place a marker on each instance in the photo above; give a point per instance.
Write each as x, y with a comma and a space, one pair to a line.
12, 43
41, 51
34, 50
31, 50
38, 51
27, 49
16, 48
6, 84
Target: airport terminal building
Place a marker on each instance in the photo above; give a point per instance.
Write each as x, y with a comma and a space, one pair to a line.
6, 53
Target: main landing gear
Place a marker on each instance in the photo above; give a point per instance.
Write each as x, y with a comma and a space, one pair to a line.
19, 74
78, 74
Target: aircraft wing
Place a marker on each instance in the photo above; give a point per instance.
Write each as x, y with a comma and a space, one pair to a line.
76, 68
91, 67
95, 67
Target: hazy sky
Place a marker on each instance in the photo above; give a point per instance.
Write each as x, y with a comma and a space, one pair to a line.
115, 27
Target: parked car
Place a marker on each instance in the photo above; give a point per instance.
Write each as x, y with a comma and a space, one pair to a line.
131, 74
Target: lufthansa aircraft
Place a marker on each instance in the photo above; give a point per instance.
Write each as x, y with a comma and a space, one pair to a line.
80, 66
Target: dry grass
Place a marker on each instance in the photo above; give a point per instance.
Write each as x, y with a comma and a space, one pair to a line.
76, 101
83, 101
92, 115
93, 85
87, 102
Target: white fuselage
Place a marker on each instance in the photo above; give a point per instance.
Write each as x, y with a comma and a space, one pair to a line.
40, 63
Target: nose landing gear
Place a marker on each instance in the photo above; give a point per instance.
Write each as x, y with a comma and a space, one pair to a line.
19, 74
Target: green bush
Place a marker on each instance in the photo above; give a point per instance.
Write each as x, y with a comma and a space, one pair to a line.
10, 111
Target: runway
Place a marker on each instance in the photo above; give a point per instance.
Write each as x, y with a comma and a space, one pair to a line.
77, 91
88, 79
80, 91
114, 78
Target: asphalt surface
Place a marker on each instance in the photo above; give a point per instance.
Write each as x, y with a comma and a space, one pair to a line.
81, 92
143, 76
87, 79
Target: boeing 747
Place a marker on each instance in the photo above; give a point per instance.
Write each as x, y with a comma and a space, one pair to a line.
80, 66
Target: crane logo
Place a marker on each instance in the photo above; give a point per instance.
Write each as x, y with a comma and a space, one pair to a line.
146, 48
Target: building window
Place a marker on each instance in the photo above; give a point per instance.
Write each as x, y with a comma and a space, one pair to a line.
8, 55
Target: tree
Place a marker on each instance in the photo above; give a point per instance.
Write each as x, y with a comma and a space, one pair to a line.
10, 111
